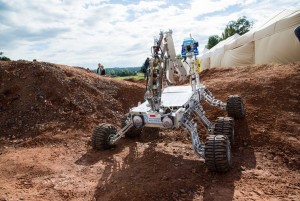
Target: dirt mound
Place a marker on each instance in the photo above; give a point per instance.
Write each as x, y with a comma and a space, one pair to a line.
271, 94
135, 80
37, 97
45, 99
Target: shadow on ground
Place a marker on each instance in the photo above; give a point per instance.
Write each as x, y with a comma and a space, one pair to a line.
153, 175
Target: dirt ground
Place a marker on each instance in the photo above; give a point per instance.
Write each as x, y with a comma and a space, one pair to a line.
49, 111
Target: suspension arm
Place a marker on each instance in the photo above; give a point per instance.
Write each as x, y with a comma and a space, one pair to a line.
201, 114
191, 126
208, 97
121, 132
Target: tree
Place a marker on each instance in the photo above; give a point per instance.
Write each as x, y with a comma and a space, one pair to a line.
212, 41
241, 26
3, 58
112, 72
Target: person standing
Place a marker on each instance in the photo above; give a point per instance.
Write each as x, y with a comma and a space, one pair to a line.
99, 69
145, 67
102, 70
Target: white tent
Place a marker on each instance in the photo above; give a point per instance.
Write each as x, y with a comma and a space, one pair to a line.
273, 42
277, 43
214, 55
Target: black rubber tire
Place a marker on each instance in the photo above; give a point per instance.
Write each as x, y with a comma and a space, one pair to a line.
101, 135
225, 126
132, 132
218, 153
235, 107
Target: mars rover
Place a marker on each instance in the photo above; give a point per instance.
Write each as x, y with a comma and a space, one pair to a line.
168, 106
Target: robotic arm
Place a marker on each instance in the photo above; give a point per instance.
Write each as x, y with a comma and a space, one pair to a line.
164, 63
174, 63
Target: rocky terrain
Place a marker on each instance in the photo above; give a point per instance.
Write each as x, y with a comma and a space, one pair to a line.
49, 111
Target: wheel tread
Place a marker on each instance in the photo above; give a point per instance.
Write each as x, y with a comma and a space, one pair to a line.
100, 136
225, 126
216, 153
235, 107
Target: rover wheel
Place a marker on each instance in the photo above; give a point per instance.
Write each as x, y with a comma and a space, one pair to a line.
132, 132
101, 136
235, 107
225, 126
218, 153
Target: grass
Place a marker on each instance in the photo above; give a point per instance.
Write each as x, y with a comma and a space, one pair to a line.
139, 76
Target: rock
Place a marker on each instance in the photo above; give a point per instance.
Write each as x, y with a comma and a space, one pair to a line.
271, 152
275, 159
242, 168
174, 194
183, 195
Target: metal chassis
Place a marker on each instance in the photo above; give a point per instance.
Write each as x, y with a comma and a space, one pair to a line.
185, 119
162, 66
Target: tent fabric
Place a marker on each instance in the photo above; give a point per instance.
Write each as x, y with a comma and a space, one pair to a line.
284, 45
284, 20
279, 16
274, 41
240, 56
215, 60
246, 38
288, 22
220, 47
292, 19
216, 53
205, 63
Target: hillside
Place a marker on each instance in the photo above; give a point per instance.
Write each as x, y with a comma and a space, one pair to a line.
48, 112
37, 97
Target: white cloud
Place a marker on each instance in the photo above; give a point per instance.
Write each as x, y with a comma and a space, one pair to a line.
115, 33
210, 6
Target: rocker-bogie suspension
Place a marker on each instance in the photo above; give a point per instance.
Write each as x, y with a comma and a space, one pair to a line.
170, 107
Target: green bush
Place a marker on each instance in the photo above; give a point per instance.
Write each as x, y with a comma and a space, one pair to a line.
3, 58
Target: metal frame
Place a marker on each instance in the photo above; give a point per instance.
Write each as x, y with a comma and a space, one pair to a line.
163, 65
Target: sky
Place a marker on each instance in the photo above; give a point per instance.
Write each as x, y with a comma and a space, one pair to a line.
117, 33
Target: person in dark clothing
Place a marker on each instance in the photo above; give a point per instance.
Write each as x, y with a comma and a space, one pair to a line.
99, 69
297, 32
102, 70
145, 67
